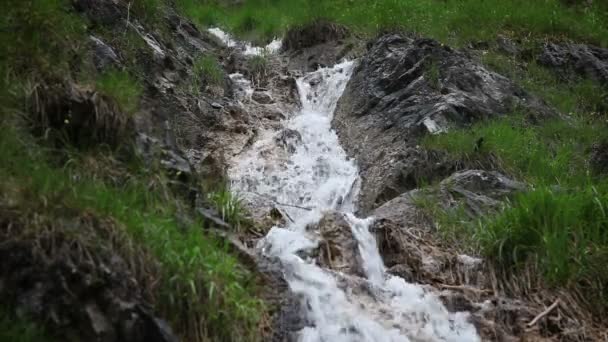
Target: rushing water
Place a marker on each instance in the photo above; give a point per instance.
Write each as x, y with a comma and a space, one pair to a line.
314, 177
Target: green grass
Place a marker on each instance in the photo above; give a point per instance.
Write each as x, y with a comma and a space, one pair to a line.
122, 87
560, 224
568, 93
229, 206
14, 329
565, 230
207, 71
38, 35
451, 21
553, 153
201, 287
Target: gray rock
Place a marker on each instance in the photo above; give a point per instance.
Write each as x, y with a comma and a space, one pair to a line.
104, 56
216, 105
338, 249
262, 97
507, 46
586, 60
480, 191
598, 158
404, 88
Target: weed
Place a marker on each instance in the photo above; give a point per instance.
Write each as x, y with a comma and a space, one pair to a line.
228, 205
207, 71
258, 66
122, 87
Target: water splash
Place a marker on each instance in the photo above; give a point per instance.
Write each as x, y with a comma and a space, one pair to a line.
247, 48
316, 176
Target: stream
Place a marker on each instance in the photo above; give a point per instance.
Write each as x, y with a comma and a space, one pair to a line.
309, 174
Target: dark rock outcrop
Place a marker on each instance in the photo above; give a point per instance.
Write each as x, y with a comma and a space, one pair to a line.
586, 60
404, 88
81, 288
319, 44
598, 159
479, 191
83, 115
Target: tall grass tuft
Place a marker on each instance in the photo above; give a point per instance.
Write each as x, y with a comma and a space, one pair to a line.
229, 206
207, 71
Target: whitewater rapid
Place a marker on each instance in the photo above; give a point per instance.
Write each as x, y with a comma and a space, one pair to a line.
315, 176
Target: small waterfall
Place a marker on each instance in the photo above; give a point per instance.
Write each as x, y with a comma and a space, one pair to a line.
316, 176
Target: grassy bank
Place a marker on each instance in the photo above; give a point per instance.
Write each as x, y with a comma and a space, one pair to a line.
193, 279
450, 21
560, 224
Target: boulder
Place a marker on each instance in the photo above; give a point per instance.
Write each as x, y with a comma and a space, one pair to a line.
404, 88
586, 60
104, 56
338, 249
318, 44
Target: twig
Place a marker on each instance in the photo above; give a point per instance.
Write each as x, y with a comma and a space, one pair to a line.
463, 288
544, 313
128, 16
282, 204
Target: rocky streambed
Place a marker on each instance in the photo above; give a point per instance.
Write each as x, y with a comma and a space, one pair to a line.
320, 136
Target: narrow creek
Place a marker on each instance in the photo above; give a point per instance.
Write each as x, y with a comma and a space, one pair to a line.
309, 178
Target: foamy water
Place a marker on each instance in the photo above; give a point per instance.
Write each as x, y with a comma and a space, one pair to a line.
314, 177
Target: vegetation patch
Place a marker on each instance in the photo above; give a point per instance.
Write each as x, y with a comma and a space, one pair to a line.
452, 21
122, 87
207, 72
561, 223
200, 285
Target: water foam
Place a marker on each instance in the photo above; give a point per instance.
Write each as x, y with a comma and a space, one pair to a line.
317, 177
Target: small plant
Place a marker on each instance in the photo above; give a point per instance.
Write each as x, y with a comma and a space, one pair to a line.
122, 87
207, 71
258, 66
228, 205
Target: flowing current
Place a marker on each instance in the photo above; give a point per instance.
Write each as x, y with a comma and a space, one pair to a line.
316, 176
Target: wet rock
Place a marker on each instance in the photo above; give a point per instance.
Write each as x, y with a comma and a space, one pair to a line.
104, 56
262, 97
586, 60
290, 316
338, 249
479, 190
289, 139
404, 88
